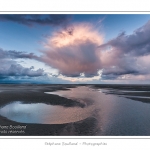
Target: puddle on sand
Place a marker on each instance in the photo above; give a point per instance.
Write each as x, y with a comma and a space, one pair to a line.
115, 115
43, 113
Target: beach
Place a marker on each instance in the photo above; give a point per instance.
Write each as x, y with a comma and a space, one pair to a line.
35, 94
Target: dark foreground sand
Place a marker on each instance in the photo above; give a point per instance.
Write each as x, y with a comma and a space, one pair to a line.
84, 127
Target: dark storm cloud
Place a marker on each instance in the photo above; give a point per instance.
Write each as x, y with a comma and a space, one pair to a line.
118, 71
32, 19
136, 44
16, 54
18, 70
11, 68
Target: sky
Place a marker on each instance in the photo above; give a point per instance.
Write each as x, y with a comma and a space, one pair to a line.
75, 48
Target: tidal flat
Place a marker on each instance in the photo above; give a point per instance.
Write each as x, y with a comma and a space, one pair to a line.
75, 110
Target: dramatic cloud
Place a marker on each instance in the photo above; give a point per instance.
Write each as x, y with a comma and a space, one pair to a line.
74, 51
80, 49
32, 19
124, 54
136, 44
15, 54
10, 67
79, 52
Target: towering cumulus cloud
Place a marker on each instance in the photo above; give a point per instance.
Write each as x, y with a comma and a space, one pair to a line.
74, 50
80, 49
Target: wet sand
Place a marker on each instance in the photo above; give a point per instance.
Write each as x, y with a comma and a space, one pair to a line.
35, 94
139, 92
81, 128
